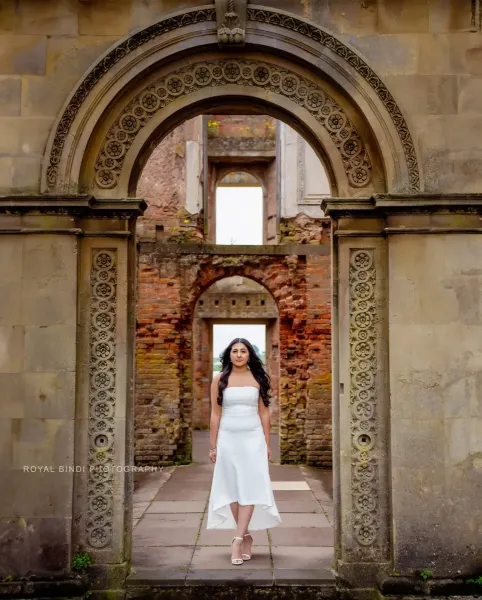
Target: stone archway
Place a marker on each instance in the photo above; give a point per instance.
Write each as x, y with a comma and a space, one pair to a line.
324, 90
338, 102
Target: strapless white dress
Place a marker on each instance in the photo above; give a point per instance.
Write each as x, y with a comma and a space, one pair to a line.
241, 470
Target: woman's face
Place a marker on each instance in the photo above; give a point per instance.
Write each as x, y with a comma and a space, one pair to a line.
239, 355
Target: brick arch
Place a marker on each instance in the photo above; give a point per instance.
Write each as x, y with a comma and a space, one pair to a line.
169, 288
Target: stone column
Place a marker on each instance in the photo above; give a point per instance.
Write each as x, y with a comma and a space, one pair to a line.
360, 394
73, 404
407, 347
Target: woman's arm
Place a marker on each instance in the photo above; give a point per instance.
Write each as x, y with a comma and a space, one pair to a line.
266, 423
216, 412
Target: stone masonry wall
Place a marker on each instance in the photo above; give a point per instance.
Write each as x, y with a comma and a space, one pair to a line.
427, 53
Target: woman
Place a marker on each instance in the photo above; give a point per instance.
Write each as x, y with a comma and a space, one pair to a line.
241, 492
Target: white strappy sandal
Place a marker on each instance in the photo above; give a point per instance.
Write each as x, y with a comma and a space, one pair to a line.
236, 561
248, 556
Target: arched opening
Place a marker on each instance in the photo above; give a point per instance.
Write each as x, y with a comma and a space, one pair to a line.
133, 101
181, 181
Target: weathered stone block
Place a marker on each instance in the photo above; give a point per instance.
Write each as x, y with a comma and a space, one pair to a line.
6, 175
49, 302
424, 94
5, 444
388, 54
450, 15
12, 405
49, 395
11, 253
26, 174
51, 536
48, 442
105, 17
10, 95
10, 293
23, 55
403, 16
50, 256
470, 94
50, 348
49, 17
12, 346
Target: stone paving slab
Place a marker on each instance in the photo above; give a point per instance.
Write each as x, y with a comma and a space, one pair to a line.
172, 520
164, 537
295, 486
177, 506
290, 496
303, 576
186, 483
304, 520
214, 537
304, 506
238, 575
302, 557
302, 536
186, 494
162, 557
139, 508
219, 557
161, 577
285, 473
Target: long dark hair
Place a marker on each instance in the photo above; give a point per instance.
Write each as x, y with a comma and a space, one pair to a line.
255, 366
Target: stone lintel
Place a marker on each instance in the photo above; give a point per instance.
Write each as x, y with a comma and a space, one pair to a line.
232, 250
381, 205
76, 205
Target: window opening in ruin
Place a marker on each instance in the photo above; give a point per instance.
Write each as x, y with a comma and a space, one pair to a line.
239, 215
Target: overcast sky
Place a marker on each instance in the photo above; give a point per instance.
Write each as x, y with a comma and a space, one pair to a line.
238, 221
239, 215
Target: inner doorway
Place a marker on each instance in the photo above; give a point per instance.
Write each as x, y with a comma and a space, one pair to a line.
183, 183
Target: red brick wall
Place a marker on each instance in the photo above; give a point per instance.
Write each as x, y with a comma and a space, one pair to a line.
169, 287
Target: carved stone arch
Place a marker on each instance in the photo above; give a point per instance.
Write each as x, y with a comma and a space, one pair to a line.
326, 62
179, 84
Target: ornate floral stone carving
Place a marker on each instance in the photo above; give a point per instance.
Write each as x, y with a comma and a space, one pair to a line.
102, 389
103, 66
270, 17
363, 401
245, 72
231, 18
355, 61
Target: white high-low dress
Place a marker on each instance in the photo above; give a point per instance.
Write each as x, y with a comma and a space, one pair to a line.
241, 470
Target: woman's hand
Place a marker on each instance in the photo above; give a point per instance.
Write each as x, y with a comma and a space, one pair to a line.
212, 455
269, 454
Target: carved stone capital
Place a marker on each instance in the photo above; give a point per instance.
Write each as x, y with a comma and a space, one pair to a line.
231, 22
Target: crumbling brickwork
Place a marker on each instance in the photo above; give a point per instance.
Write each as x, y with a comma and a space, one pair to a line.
174, 345
170, 283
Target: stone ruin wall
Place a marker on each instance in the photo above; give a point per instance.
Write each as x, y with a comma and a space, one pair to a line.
173, 341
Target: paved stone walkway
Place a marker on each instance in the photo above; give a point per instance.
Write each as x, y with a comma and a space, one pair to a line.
170, 539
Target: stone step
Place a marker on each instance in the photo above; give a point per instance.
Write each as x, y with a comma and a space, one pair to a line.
240, 584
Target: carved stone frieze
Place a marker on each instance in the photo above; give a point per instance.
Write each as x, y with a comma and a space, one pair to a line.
364, 425
354, 60
103, 66
221, 72
231, 22
270, 17
102, 394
